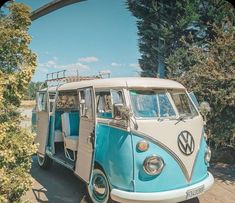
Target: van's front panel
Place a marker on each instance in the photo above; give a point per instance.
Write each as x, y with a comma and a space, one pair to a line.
167, 135
169, 148
173, 175
114, 153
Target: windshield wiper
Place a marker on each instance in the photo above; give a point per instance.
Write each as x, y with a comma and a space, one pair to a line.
181, 118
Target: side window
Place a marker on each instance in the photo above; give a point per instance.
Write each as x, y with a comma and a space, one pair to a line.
67, 101
51, 101
106, 100
42, 101
117, 97
86, 107
104, 105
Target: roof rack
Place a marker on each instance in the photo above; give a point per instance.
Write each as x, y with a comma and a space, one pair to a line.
59, 77
56, 76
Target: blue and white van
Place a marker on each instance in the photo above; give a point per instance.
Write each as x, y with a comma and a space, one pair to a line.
128, 139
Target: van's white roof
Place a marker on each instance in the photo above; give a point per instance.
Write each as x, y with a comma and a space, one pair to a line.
130, 82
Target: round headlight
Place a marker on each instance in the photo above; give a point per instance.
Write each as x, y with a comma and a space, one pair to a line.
142, 145
153, 165
207, 155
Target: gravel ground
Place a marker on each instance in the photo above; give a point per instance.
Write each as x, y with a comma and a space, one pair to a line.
59, 185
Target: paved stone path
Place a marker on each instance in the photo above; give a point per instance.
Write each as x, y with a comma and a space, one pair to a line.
59, 185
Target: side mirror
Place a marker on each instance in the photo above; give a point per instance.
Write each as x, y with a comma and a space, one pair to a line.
121, 112
82, 101
204, 109
83, 108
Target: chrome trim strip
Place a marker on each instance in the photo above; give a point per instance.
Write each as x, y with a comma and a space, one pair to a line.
112, 124
197, 153
182, 166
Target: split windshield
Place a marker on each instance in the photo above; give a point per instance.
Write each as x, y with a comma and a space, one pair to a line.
153, 104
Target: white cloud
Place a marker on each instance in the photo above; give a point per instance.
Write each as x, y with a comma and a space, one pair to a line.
48, 64
53, 64
114, 64
135, 65
44, 70
89, 59
55, 58
75, 66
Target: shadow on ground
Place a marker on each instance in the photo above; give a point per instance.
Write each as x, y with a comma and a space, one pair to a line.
57, 185
224, 173
194, 200
60, 185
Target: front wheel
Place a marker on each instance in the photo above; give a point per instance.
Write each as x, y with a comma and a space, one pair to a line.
98, 188
44, 162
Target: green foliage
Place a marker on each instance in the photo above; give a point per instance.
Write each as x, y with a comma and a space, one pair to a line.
161, 24
32, 89
17, 64
210, 72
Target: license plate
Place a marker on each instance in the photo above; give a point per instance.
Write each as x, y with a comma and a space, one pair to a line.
194, 192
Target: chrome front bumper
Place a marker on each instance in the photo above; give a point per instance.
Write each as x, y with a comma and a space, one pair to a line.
166, 196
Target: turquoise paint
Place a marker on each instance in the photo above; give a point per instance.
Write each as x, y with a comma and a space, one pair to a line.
114, 153
34, 117
172, 176
105, 115
200, 167
74, 121
58, 124
50, 131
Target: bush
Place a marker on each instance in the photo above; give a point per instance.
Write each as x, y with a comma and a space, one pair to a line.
17, 64
209, 71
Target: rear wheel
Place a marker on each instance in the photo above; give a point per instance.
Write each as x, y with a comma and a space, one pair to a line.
44, 162
98, 188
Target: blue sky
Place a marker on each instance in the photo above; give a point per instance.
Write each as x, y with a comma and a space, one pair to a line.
90, 36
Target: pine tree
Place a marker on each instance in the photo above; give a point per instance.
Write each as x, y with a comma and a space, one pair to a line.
161, 25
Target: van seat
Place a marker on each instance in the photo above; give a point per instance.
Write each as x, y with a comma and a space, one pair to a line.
73, 126
58, 124
74, 121
58, 136
70, 126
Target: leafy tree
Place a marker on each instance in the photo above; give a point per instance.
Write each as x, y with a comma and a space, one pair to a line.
161, 24
32, 89
17, 64
210, 72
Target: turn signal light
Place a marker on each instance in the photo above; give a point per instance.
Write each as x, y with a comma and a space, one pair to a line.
142, 145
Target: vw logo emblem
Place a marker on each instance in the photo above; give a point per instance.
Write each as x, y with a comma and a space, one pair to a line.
186, 143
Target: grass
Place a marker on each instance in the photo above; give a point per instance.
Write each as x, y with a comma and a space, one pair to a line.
28, 103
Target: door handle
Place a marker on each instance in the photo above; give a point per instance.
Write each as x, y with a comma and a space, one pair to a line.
89, 139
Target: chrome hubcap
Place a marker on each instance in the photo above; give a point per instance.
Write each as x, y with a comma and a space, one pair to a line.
40, 160
99, 187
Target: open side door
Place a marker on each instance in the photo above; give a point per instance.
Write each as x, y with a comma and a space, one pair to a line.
84, 163
42, 122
